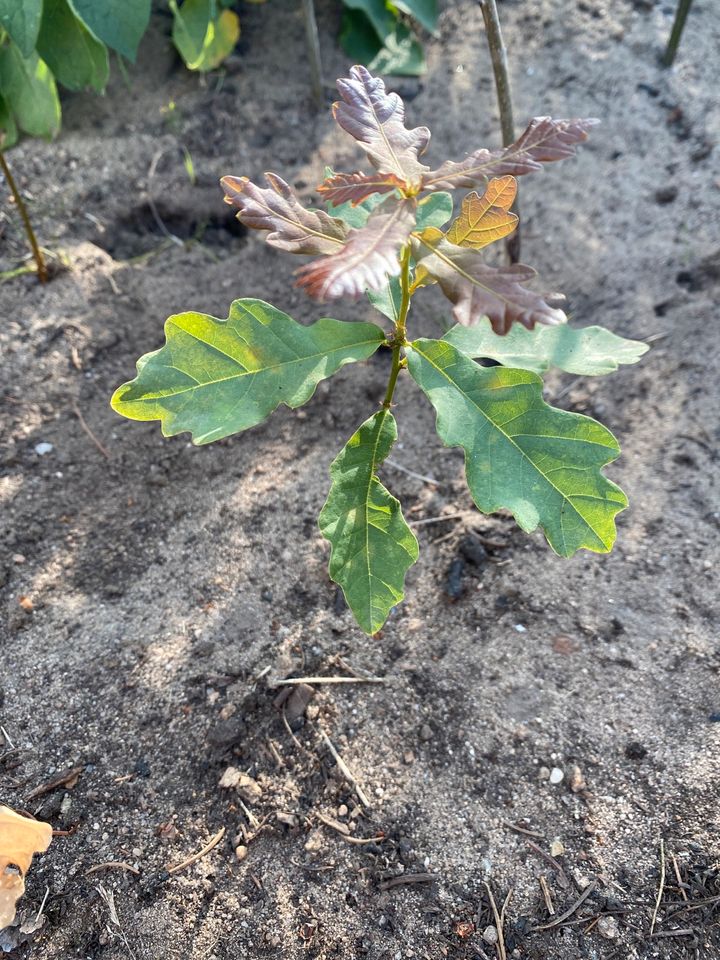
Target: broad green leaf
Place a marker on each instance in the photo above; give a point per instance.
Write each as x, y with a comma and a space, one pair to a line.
118, 23
216, 377
424, 11
400, 53
8, 127
376, 14
434, 210
29, 90
388, 299
589, 351
21, 19
73, 54
542, 464
372, 545
203, 38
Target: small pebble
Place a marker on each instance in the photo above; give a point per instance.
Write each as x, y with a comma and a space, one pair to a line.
342, 810
608, 927
520, 628
556, 776
544, 773
557, 849
241, 851
43, 447
576, 780
426, 732
490, 935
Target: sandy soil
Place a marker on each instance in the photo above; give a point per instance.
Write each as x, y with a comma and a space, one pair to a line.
171, 586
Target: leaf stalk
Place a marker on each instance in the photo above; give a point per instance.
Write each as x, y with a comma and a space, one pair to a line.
398, 338
22, 209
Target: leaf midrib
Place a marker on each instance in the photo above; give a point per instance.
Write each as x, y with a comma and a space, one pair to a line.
509, 439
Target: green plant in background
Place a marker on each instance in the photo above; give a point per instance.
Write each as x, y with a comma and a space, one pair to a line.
381, 34
385, 235
48, 42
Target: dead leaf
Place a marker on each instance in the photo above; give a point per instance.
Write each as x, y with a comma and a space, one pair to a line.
20, 839
484, 219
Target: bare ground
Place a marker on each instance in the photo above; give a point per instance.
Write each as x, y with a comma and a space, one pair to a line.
171, 586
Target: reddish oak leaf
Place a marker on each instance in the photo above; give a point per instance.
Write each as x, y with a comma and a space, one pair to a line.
544, 141
376, 119
356, 187
369, 257
277, 208
478, 290
484, 219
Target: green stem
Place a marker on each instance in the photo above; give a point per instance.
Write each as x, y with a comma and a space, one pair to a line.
20, 204
399, 340
681, 13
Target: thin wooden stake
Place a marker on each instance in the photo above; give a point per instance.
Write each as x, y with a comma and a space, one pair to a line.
498, 55
661, 887
22, 210
683, 8
313, 46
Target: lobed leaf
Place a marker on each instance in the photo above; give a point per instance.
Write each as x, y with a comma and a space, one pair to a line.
369, 257
276, 208
372, 545
30, 92
434, 210
75, 57
21, 20
20, 839
544, 141
355, 187
588, 351
542, 464
118, 23
216, 377
487, 218
376, 119
477, 289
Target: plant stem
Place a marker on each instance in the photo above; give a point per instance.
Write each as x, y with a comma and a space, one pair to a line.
498, 55
313, 45
20, 204
400, 327
681, 13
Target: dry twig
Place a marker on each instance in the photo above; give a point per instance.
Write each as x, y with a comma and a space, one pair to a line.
200, 854
661, 887
344, 769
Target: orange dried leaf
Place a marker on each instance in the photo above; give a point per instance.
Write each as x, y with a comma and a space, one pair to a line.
487, 218
20, 839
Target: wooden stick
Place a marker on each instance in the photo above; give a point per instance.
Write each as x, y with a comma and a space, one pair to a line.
661, 887
313, 46
22, 210
546, 895
345, 770
407, 878
568, 913
88, 431
200, 854
112, 865
683, 8
498, 921
297, 680
498, 55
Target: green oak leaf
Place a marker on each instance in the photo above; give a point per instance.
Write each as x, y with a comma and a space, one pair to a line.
21, 19
73, 54
521, 454
29, 90
118, 23
372, 545
398, 52
434, 210
388, 300
587, 350
216, 377
202, 36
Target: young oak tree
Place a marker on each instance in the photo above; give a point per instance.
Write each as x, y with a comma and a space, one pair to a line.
385, 234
